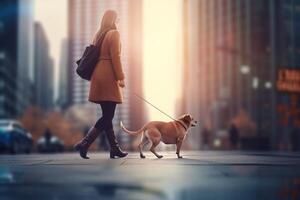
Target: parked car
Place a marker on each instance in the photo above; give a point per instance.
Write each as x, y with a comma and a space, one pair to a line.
49, 143
14, 138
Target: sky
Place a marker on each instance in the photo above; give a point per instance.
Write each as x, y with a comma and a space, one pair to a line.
162, 55
162, 41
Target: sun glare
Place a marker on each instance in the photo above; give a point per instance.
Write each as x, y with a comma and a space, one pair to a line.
162, 55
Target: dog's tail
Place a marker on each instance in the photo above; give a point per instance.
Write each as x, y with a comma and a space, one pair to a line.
131, 132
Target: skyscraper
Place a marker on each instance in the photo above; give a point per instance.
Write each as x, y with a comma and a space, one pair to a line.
233, 51
16, 56
63, 100
43, 70
286, 42
25, 55
8, 55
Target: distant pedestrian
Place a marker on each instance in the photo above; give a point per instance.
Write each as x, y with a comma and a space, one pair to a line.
233, 136
205, 136
295, 139
47, 136
106, 85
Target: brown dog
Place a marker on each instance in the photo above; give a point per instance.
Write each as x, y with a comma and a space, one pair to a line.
172, 132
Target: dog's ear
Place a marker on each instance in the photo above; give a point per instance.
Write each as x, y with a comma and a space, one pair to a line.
187, 118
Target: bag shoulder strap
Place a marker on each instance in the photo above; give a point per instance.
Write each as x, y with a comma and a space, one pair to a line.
101, 38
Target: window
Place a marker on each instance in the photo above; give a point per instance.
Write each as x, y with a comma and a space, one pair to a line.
1, 26
17, 126
2, 55
3, 124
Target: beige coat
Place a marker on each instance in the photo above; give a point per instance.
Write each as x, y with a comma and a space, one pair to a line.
104, 82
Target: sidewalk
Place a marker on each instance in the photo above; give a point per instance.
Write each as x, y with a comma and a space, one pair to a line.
199, 175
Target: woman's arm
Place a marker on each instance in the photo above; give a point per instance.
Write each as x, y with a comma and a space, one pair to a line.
115, 52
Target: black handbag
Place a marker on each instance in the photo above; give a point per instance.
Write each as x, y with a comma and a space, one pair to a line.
86, 64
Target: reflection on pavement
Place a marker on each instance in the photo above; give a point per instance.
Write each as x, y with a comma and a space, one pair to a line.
5, 175
122, 190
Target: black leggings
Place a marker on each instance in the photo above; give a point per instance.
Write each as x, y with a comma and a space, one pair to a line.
108, 112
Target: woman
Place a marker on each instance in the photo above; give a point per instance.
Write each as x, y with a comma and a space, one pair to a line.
106, 83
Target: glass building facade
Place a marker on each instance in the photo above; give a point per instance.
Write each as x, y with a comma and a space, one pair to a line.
11, 40
234, 51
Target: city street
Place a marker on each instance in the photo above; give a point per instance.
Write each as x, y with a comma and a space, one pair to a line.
199, 175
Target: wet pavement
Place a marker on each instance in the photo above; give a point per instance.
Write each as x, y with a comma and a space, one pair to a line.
199, 175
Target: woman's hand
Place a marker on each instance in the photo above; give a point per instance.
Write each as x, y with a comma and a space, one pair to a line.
121, 83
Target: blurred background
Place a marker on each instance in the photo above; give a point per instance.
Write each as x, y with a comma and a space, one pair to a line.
233, 64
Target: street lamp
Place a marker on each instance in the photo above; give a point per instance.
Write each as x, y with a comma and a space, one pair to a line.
245, 69
268, 85
255, 83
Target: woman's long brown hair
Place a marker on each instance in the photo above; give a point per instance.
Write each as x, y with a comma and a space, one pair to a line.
108, 22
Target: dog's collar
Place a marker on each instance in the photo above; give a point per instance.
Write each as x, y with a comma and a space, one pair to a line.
182, 124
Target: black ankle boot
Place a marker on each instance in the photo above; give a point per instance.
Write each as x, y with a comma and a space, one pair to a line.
83, 145
115, 150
